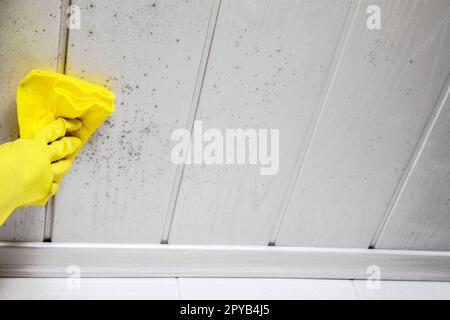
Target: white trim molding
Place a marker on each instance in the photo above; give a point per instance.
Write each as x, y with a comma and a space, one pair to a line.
136, 260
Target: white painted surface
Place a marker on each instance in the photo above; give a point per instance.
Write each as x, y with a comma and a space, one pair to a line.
133, 260
28, 40
215, 289
90, 289
265, 289
269, 64
420, 218
404, 290
148, 53
385, 89
351, 102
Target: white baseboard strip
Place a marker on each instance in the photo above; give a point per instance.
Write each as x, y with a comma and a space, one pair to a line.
135, 260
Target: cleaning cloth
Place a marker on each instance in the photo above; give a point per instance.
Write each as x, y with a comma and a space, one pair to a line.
43, 97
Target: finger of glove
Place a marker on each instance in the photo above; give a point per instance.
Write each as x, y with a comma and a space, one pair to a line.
60, 168
72, 124
57, 129
64, 147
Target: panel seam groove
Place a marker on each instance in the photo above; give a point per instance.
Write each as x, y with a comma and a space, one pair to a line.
63, 35
304, 153
420, 146
201, 74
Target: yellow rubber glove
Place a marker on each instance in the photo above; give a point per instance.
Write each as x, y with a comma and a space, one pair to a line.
32, 167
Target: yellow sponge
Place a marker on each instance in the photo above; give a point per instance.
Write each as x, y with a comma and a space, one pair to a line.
43, 97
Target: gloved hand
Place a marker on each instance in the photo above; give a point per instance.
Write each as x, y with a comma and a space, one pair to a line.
32, 167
